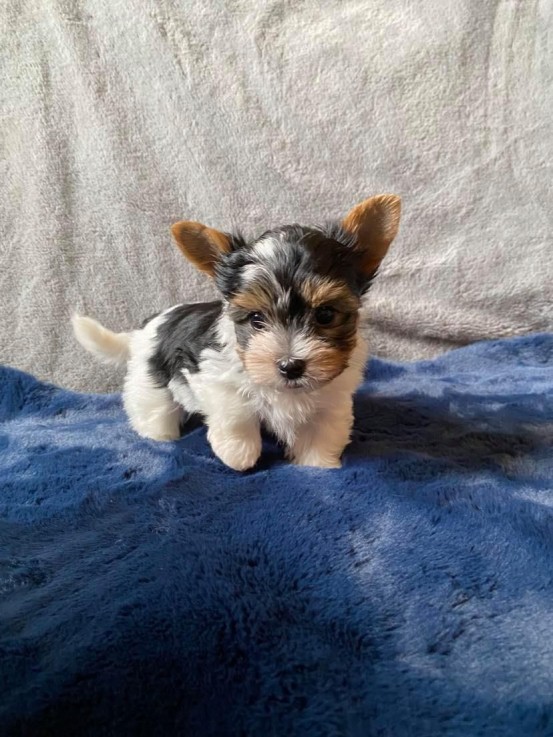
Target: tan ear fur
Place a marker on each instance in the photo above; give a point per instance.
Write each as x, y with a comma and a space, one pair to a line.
201, 245
374, 223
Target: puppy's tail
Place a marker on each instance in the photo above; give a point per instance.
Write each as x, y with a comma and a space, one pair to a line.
109, 347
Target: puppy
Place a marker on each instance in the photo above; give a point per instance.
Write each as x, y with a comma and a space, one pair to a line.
282, 348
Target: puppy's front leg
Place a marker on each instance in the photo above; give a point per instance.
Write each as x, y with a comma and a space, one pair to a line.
322, 440
235, 441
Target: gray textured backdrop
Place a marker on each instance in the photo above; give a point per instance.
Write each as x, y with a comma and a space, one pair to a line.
119, 117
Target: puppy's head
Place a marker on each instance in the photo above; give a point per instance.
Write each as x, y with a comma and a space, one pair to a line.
294, 293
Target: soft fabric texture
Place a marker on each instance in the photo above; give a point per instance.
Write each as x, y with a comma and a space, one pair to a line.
149, 590
120, 117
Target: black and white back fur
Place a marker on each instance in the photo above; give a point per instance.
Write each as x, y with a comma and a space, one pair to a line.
282, 348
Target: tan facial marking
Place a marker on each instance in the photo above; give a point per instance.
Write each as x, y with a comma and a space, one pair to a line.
264, 350
255, 299
327, 362
324, 361
321, 290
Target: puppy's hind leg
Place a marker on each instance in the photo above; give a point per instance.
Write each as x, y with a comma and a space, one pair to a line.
151, 408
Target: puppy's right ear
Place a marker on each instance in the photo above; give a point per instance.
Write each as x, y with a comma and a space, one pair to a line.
201, 245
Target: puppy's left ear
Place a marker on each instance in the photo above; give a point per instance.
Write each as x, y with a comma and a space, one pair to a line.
201, 245
374, 224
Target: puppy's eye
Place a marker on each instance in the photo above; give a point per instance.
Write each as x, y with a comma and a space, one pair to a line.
325, 315
257, 320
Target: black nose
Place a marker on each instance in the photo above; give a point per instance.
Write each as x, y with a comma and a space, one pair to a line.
291, 368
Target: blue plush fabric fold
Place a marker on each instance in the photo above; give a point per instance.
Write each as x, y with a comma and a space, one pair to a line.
146, 589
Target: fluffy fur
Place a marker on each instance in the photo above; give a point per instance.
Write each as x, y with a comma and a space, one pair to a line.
281, 349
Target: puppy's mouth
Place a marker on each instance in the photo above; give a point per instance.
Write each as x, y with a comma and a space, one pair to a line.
304, 384
297, 385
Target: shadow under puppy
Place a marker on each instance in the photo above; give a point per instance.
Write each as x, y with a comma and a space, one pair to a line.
281, 348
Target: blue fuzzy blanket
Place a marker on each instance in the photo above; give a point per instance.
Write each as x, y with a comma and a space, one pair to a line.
145, 589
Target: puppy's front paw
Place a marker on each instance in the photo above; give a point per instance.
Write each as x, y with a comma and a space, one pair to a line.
316, 460
159, 428
239, 451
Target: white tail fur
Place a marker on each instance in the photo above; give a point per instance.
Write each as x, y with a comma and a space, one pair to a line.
109, 347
